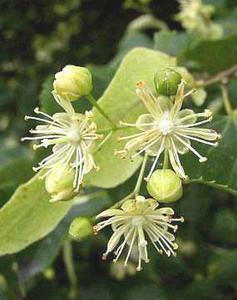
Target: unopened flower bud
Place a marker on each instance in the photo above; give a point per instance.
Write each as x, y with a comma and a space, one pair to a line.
59, 183
80, 228
165, 186
167, 81
72, 82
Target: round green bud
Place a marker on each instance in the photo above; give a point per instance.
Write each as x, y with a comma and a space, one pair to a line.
80, 228
72, 82
49, 274
59, 183
167, 81
165, 186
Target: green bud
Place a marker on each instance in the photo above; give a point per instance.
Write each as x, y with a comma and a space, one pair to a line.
72, 82
165, 186
80, 228
167, 81
59, 183
49, 274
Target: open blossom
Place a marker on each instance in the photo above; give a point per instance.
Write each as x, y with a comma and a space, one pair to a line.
137, 222
168, 128
71, 136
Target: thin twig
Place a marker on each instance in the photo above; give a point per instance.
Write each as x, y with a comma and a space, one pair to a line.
69, 265
218, 77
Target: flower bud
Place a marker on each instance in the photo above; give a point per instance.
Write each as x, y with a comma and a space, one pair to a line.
72, 82
167, 81
165, 186
80, 228
59, 183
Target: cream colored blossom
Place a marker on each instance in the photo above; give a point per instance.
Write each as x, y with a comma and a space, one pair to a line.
168, 128
136, 223
71, 136
194, 15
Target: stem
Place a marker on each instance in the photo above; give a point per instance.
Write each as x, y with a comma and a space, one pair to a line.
92, 100
103, 142
140, 177
136, 190
226, 100
218, 77
166, 160
120, 202
69, 265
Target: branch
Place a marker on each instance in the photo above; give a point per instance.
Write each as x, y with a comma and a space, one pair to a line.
222, 76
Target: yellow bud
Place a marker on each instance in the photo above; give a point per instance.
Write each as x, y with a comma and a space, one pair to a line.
80, 228
72, 82
165, 186
59, 183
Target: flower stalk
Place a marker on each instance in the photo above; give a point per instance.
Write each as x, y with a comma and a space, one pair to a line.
94, 103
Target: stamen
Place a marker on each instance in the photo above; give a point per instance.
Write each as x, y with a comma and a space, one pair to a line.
156, 159
201, 158
198, 140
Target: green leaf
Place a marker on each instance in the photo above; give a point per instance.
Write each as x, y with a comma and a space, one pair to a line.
36, 258
220, 171
171, 42
120, 103
212, 56
28, 216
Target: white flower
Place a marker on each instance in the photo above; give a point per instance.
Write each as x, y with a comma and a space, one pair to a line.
168, 129
71, 136
135, 223
194, 15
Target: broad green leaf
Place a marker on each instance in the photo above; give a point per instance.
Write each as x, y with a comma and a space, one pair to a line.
28, 216
171, 42
212, 56
121, 103
220, 171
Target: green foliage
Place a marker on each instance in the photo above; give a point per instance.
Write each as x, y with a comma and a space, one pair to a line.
28, 216
213, 172
38, 39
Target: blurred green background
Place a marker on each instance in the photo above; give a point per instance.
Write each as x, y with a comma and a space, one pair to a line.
38, 38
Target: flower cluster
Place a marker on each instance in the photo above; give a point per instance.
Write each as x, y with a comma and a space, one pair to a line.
134, 223
195, 16
168, 128
71, 136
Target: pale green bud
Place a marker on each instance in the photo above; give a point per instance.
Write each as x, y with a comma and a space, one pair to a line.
167, 81
72, 82
59, 183
80, 228
199, 96
165, 186
49, 274
187, 77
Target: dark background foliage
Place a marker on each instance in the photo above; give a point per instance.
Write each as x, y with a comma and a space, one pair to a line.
37, 39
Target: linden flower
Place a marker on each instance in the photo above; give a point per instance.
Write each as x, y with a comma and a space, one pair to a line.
137, 220
196, 16
168, 129
71, 136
